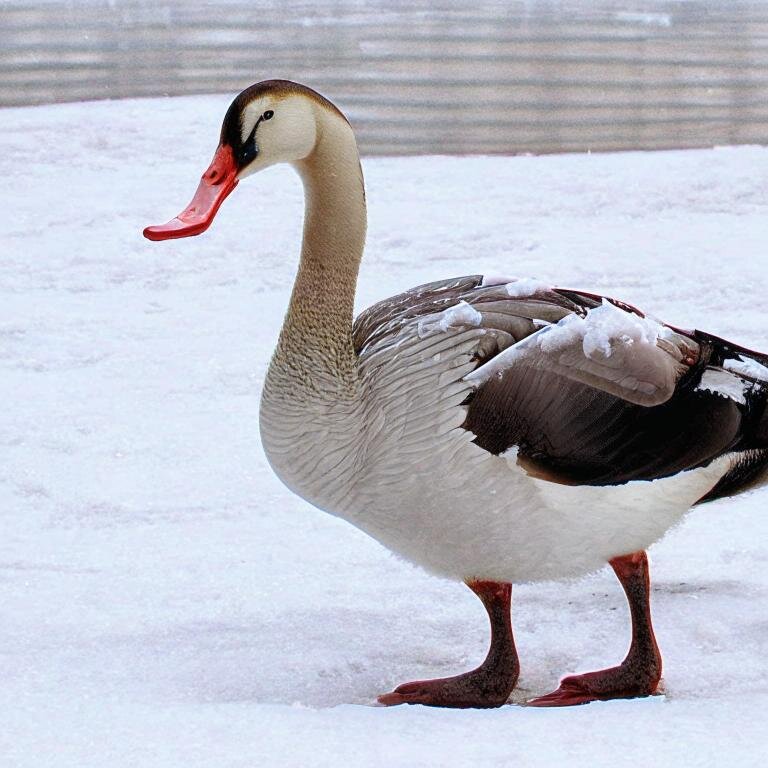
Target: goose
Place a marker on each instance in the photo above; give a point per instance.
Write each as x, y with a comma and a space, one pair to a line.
491, 430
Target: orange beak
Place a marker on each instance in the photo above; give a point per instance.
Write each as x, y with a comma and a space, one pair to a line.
215, 185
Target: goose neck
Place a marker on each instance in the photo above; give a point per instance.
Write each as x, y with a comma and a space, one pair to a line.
316, 339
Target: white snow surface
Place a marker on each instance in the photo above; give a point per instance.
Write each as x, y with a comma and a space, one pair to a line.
166, 602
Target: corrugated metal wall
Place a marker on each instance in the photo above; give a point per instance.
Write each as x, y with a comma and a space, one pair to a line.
423, 77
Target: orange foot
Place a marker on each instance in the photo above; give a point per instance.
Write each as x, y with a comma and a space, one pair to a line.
640, 672
480, 688
623, 682
492, 682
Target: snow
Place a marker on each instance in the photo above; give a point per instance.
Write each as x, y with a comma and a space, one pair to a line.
166, 602
747, 367
524, 287
457, 316
722, 383
609, 347
601, 331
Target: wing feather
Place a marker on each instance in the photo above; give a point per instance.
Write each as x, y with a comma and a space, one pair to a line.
587, 390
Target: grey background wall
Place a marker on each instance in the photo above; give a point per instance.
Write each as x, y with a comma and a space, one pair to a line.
423, 77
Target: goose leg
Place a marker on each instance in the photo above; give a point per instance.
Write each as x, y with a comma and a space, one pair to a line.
492, 682
640, 672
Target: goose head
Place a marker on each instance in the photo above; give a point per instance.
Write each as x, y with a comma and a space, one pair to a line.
275, 121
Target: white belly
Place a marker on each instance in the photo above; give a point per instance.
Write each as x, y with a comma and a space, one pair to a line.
462, 513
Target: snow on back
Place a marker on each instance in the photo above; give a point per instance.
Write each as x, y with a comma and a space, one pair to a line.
457, 316
489, 280
517, 287
725, 384
601, 331
747, 367
524, 287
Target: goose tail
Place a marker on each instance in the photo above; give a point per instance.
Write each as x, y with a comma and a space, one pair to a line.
750, 462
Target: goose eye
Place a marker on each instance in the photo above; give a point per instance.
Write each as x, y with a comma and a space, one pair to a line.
268, 115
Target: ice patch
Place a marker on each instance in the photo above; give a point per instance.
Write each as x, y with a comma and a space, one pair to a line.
524, 287
720, 382
457, 316
747, 367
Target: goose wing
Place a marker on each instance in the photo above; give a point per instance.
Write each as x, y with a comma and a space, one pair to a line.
585, 390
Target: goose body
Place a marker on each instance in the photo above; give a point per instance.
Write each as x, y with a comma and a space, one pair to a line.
413, 460
490, 430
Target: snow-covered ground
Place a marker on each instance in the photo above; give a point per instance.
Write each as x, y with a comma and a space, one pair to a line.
166, 602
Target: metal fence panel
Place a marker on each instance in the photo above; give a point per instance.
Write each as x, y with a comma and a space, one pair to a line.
423, 77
